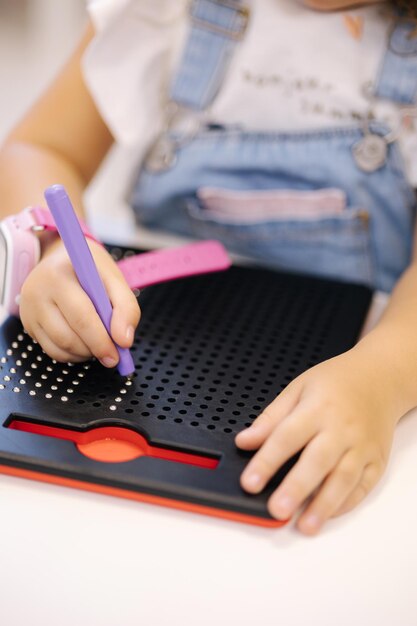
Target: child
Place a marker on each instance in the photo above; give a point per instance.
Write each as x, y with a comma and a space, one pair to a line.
253, 127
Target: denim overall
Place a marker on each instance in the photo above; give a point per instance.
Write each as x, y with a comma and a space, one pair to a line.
368, 242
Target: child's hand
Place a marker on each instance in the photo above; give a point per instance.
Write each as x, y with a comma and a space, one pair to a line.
341, 414
57, 312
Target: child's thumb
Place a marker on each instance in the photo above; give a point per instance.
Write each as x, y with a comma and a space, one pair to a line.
126, 312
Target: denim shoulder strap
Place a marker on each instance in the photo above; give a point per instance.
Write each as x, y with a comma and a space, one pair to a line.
216, 27
397, 78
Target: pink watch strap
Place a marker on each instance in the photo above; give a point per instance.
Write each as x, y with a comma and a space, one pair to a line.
44, 219
149, 268
158, 266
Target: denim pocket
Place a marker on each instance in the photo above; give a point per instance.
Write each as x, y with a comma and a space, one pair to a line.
311, 237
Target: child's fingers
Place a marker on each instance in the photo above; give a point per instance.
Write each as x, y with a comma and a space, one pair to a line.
61, 334
368, 481
54, 335
79, 312
286, 439
316, 461
126, 312
53, 350
336, 488
254, 436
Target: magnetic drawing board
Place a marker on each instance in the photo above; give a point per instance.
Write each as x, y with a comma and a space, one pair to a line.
210, 352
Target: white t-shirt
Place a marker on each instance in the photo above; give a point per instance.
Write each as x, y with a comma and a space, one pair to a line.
295, 69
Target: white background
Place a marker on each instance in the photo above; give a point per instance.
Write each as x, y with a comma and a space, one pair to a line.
74, 558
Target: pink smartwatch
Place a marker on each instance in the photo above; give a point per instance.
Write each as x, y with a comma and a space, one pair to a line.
20, 251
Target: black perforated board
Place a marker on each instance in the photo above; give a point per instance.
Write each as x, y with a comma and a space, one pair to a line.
210, 352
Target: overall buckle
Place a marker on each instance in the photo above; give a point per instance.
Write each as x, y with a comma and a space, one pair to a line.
240, 22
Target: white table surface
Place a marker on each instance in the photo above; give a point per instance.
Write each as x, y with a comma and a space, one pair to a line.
76, 558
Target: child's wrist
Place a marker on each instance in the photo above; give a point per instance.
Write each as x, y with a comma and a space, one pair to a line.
386, 375
49, 241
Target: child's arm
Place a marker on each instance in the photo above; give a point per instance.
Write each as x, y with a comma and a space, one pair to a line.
63, 140
343, 413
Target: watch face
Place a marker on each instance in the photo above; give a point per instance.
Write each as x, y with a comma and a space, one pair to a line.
3, 257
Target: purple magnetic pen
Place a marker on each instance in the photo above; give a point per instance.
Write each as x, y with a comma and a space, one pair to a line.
82, 260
